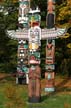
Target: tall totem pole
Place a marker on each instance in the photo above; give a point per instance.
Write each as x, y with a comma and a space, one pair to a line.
50, 48
22, 68
21, 35
53, 33
34, 55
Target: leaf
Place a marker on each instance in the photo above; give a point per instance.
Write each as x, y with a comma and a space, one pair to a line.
66, 36
69, 45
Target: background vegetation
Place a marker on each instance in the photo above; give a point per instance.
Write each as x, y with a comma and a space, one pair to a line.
8, 47
16, 96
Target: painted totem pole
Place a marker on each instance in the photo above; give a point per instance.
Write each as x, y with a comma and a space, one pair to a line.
53, 33
50, 48
34, 56
23, 13
22, 68
50, 66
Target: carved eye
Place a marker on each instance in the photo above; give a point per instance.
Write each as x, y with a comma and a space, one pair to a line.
21, 51
23, 55
21, 60
20, 55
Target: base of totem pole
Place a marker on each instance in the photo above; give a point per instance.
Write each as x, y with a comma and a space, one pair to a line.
21, 81
34, 99
52, 89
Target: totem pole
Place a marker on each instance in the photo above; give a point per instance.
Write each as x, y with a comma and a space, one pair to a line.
22, 68
34, 36
54, 33
21, 35
50, 49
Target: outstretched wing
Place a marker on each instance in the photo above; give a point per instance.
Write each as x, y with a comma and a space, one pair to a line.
18, 34
52, 33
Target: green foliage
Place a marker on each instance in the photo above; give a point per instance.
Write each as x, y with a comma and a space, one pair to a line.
8, 47
64, 13
16, 96
14, 99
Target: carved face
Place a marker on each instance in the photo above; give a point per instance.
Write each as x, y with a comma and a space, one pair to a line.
50, 6
34, 19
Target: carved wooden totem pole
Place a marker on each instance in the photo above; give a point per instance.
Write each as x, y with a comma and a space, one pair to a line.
50, 49
22, 68
50, 66
34, 34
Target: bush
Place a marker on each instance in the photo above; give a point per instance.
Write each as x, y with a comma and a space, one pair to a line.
14, 99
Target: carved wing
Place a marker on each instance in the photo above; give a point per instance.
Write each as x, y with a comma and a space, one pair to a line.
52, 33
18, 34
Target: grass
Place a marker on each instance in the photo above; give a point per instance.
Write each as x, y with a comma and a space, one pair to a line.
16, 96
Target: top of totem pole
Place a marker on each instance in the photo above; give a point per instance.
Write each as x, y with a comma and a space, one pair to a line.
51, 1
51, 32
23, 14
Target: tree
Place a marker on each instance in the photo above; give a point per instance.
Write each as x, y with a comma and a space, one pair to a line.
63, 19
8, 47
